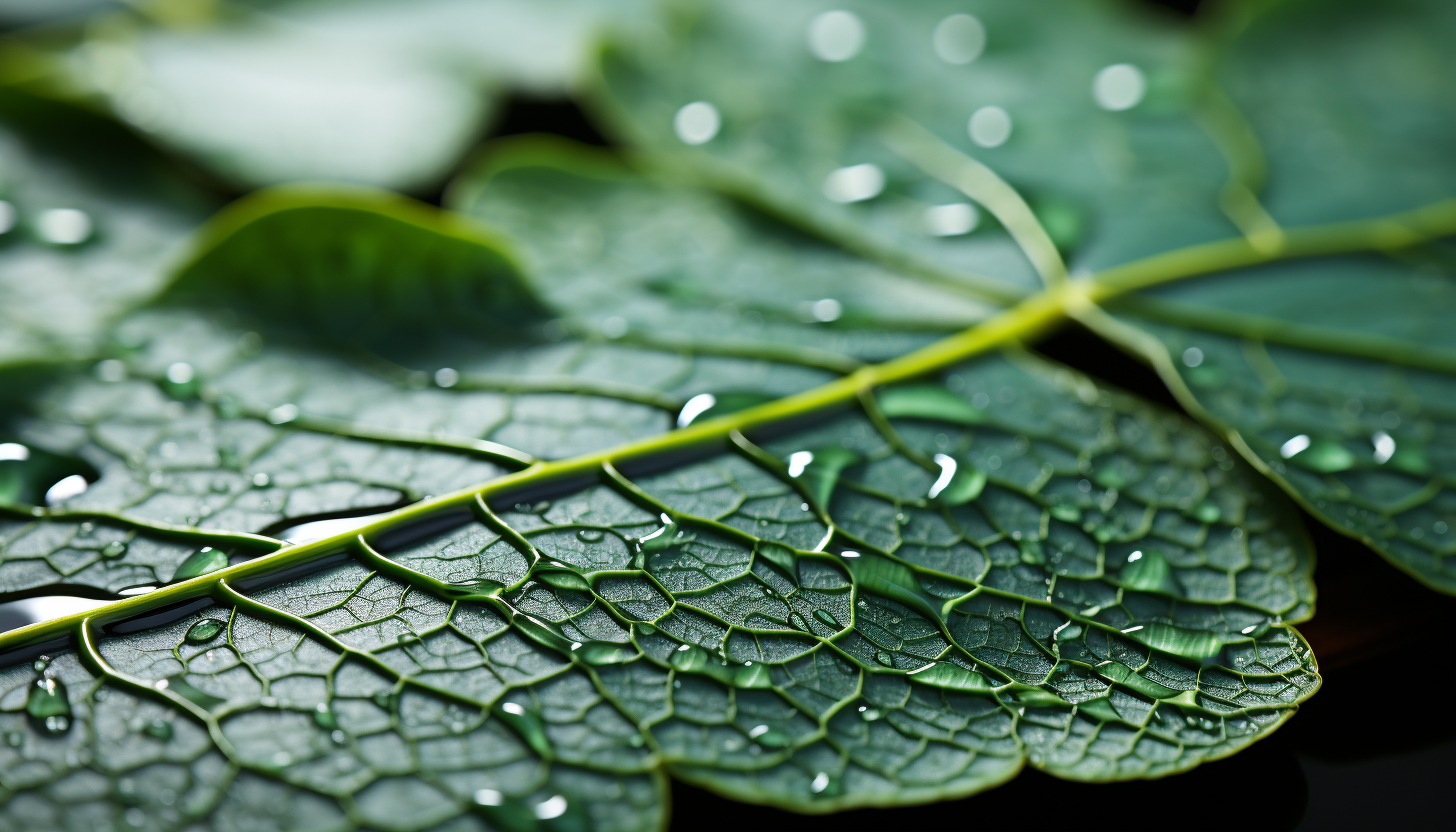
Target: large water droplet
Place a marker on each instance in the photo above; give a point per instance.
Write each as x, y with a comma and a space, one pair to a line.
48, 706
64, 226
855, 183
204, 631
827, 618
1317, 454
201, 562
1145, 569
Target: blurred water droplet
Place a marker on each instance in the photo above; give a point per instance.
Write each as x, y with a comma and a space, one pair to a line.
854, 183
959, 39
64, 226
697, 123
836, 36
1119, 87
989, 126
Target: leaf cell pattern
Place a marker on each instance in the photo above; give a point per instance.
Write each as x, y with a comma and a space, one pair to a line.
809, 634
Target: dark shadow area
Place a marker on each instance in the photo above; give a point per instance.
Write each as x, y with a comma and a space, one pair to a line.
1078, 348
1267, 777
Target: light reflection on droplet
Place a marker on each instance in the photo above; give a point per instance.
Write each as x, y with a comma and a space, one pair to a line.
283, 414
947, 473
1193, 356
1135, 557
798, 461
180, 373
487, 797
694, 408
821, 782
554, 807
1294, 446
513, 708
7, 216
64, 226
13, 452
959, 39
1384, 447
855, 183
951, 220
447, 377
1119, 87
989, 126
72, 486
697, 123
836, 36
826, 310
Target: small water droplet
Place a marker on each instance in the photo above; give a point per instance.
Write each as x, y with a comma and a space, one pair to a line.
855, 183
884, 658
64, 226
989, 127
324, 718
590, 535
1068, 632
827, 618
836, 36
959, 39
1120, 87
158, 729
48, 706
204, 631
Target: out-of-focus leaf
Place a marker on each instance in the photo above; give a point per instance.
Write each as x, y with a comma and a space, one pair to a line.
83, 235
377, 93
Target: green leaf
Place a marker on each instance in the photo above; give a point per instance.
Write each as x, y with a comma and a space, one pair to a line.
474, 660
372, 93
654, 601
803, 132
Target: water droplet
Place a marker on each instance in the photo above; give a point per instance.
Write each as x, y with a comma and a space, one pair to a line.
48, 706
825, 310
697, 123
1146, 570
488, 797
447, 377
989, 126
959, 39
114, 549
1068, 632
14, 739
553, 807
1384, 447
870, 714
951, 220
590, 535
324, 718
1119, 87
836, 36
201, 562
159, 729
827, 618
261, 480
1322, 455
67, 487
204, 631
64, 226
884, 658
1192, 357
855, 183
1207, 512
283, 414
